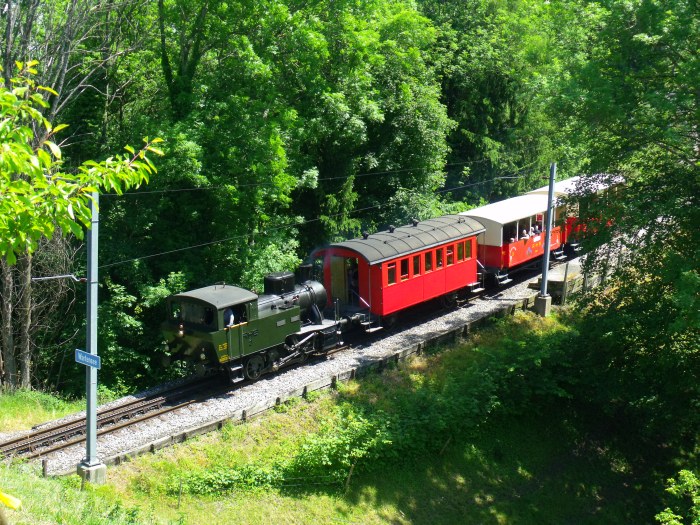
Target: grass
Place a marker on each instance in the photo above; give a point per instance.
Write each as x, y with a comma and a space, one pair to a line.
531, 467
60, 500
524, 470
22, 409
515, 470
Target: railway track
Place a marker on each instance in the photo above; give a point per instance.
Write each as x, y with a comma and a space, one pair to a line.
44, 441
54, 438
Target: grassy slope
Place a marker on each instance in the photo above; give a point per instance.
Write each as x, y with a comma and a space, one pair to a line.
532, 468
23, 409
513, 471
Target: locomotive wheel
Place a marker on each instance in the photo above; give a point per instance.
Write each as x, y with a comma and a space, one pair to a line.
254, 366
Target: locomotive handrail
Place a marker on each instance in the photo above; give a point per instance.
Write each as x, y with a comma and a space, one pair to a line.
229, 327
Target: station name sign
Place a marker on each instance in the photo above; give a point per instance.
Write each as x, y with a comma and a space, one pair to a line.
87, 359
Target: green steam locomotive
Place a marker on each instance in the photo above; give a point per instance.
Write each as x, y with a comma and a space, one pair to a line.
231, 329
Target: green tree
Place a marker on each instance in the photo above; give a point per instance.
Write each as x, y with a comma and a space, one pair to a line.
184, 28
686, 491
496, 60
40, 198
634, 99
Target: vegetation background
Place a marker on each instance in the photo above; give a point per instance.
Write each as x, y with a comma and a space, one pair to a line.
287, 124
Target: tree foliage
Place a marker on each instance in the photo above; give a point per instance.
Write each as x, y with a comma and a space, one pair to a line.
685, 490
495, 59
634, 98
38, 197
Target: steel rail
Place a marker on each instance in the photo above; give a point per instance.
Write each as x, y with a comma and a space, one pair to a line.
45, 437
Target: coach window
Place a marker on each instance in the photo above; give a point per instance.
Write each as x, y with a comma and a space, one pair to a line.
391, 273
429, 261
438, 258
460, 251
510, 232
404, 269
450, 250
416, 265
468, 253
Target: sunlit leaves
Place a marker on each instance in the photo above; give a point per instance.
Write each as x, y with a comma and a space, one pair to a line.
37, 197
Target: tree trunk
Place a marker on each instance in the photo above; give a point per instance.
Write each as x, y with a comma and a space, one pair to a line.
8, 378
4, 296
190, 49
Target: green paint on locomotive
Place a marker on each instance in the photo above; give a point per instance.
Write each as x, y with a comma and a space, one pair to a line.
196, 330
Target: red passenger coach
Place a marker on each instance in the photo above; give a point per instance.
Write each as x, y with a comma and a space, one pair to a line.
514, 233
576, 193
392, 270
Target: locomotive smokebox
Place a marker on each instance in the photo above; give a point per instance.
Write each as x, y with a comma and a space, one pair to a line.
311, 293
281, 292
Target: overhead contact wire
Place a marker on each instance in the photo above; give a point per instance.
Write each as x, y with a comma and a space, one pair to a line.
285, 226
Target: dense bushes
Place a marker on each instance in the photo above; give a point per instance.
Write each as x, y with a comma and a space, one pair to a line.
411, 411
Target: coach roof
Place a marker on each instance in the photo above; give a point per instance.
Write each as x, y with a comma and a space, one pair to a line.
219, 295
397, 242
510, 210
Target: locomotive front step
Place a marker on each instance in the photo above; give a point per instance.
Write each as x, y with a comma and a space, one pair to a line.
235, 373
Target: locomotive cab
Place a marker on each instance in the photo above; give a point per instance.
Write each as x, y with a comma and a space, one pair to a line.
196, 329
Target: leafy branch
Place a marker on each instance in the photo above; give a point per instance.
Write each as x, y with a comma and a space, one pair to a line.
37, 196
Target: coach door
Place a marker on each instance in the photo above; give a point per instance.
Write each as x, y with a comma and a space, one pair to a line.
339, 279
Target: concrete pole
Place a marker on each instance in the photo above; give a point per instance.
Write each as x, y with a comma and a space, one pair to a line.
543, 302
548, 232
91, 468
